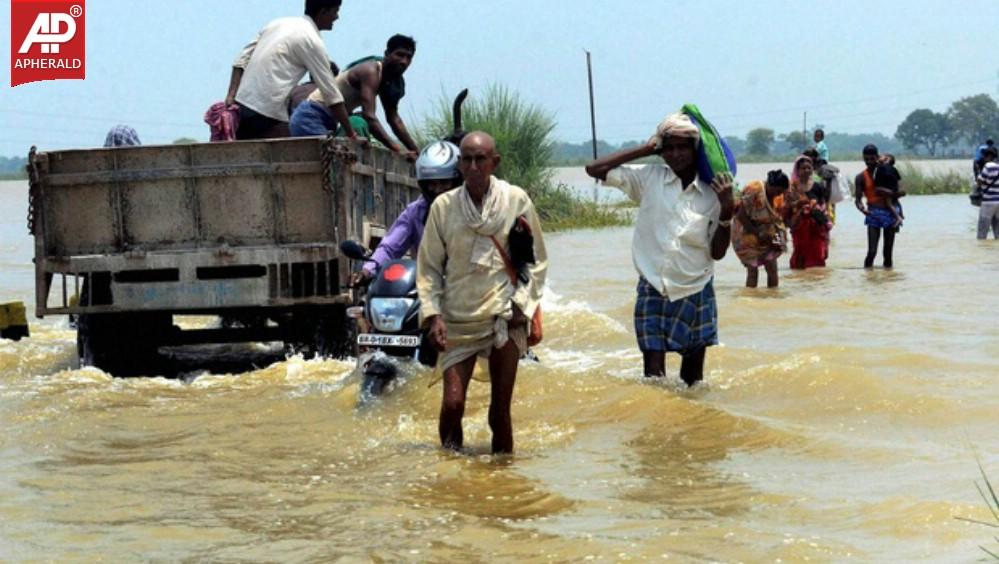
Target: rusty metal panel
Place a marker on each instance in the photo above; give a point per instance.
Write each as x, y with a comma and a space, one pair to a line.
236, 210
308, 209
80, 221
188, 206
146, 205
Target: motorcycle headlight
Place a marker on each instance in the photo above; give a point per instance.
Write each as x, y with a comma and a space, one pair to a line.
387, 314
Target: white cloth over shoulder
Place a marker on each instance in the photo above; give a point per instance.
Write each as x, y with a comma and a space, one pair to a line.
461, 276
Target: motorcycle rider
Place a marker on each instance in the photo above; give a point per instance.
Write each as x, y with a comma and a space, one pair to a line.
436, 172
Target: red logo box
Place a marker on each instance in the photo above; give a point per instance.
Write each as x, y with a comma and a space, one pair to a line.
48, 40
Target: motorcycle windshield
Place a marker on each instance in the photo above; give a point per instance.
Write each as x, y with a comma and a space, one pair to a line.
388, 314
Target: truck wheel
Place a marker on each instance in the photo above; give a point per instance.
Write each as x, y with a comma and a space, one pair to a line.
122, 344
335, 335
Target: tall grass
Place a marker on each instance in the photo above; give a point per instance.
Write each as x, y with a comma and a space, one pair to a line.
915, 182
992, 502
523, 139
522, 132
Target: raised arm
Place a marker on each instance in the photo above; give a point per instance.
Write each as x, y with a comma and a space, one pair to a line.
600, 167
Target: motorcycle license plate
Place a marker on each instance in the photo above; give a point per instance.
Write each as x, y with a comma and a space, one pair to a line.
373, 340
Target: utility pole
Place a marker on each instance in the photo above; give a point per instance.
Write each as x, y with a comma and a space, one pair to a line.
593, 115
804, 129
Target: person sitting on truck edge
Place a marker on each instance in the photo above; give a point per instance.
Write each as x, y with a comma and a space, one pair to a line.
436, 172
274, 62
361, 84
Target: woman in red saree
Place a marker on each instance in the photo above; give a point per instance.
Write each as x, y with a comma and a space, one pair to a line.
807, 217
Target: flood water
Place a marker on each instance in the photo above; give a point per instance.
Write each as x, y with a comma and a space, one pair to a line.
840, 421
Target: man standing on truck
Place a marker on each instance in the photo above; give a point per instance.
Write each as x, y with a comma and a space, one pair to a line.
273, 63
468, 301
361, 85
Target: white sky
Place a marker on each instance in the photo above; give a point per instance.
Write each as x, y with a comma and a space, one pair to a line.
855, 66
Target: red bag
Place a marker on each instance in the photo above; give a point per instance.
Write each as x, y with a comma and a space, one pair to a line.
535, 334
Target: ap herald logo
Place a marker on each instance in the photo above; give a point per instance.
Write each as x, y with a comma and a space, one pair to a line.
47, 40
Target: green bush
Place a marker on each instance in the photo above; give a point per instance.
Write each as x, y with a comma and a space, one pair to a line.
561, 209
915, 182
523, 139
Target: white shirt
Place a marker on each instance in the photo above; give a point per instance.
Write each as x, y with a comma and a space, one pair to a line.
276, 61
671, 247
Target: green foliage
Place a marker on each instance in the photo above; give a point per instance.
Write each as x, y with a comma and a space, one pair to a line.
523, 139
974, 118
797, 140
924, 128
915, 182
13, 166
561, 209
184, 141
759, 140
522, 132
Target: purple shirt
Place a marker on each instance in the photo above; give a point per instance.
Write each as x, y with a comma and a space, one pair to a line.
404, 235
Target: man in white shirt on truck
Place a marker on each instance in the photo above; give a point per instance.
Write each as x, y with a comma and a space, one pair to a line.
274, 62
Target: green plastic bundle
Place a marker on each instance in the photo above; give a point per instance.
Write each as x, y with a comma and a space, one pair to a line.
713, 154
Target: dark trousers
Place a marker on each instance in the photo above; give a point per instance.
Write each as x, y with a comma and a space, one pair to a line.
254, 125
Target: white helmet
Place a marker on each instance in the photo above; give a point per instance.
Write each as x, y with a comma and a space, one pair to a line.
438, 161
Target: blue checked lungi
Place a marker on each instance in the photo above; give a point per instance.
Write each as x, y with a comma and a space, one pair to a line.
309, 118
879, 218
675, 326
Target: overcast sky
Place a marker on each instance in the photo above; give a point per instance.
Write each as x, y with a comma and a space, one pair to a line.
855, 66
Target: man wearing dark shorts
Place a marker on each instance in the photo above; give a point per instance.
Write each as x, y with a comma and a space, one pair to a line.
272, 64
681, 229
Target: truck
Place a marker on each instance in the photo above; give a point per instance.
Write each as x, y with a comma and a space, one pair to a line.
129, 238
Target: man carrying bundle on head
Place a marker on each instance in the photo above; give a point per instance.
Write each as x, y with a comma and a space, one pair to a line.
682, 227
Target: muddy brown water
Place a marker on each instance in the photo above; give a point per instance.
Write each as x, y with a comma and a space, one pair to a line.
840, 421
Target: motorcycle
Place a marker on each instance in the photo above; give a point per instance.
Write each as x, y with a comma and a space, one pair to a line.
388, 314
388, 319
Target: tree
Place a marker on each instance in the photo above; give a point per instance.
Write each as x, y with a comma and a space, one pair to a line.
925, 128
796, 139
974, 118
759, 140
184, 141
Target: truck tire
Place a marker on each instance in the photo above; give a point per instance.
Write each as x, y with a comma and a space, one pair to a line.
324, 332
335, 335
122, 344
